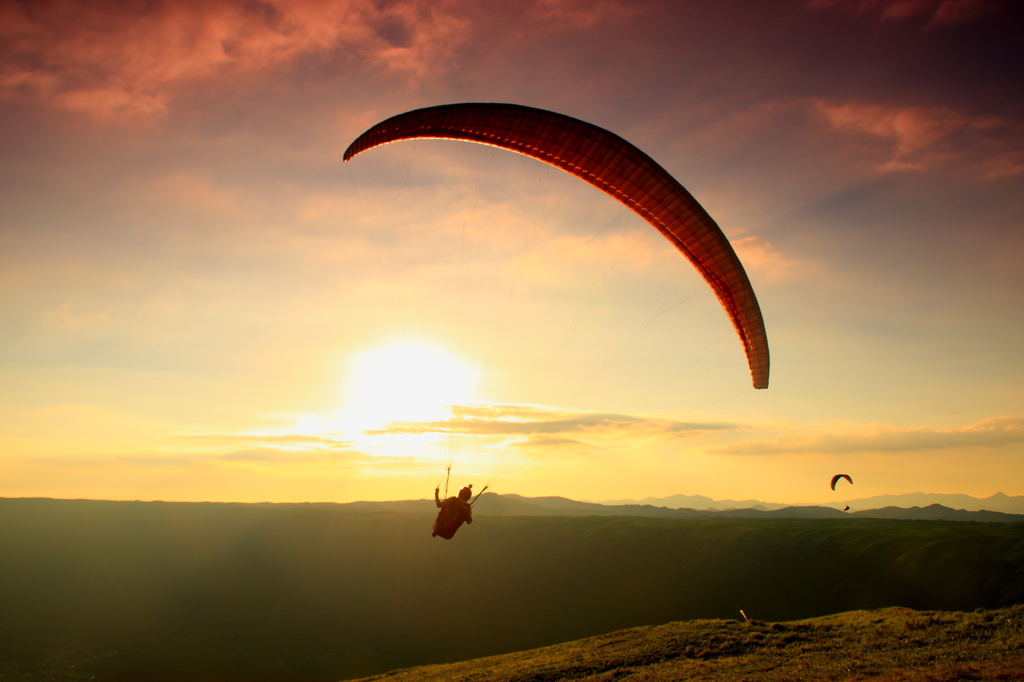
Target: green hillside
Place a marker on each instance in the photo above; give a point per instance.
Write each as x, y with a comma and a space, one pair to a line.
285, 592
890, 644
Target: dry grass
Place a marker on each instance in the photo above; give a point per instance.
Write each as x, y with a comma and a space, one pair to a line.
895, 644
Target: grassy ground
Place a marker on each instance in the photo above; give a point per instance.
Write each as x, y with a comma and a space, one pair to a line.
888, 644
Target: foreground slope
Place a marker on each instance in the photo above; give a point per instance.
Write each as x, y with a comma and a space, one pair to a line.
891, 644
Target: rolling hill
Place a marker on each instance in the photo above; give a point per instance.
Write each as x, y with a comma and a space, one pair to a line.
890, 644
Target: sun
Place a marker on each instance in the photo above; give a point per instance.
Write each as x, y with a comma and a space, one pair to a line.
407, 382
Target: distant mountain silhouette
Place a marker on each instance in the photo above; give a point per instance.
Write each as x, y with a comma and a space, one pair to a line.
493, 504
999, 502
700, 502
936, 512
995, 503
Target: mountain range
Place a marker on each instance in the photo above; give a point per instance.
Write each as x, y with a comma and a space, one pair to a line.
493, 504
999, 502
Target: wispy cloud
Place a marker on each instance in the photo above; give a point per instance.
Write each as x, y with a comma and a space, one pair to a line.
226, 448
581, 13
551, 449
71, 319
205, 458
884, 136
990, 433
114, 59
264, 455
548, 442
1004, 165
760, 256
279, 455
295, 440
935, 12
508, 420
926, 137
915, 131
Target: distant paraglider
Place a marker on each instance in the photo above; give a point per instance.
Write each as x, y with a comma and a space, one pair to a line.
835, 479
614, 166
847, 508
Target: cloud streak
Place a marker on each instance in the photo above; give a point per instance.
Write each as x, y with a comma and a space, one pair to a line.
759, 255
937, 12
293, 440
886, 136
924, 137
990, 433
227, 448
519, 420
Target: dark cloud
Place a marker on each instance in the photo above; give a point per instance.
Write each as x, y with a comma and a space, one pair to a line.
933, 12
114, 59
991, 433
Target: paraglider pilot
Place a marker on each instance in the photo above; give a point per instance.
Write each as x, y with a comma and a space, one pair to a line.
454, 512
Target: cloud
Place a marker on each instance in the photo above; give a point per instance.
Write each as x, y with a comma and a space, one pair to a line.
279, 455
937, 12
873, 136
68, 319
244, 450
294, 440
201, 457
1005, 165
962, 11
123, 60
558, 260
509, 420
548, 442
581, 13
925, 137
911, 128
990, 433
256, 448
550, 449
760, 256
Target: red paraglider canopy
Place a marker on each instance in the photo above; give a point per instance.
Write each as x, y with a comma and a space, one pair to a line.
617, 168
835, 479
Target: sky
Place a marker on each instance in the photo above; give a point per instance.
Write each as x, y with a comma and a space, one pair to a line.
199, 300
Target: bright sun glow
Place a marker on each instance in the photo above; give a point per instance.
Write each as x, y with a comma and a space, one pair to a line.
407, 381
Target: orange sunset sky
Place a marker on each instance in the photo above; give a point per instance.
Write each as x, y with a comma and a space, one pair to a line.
200, 301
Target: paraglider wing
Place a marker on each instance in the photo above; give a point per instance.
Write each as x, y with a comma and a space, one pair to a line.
835, 479
617, 168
